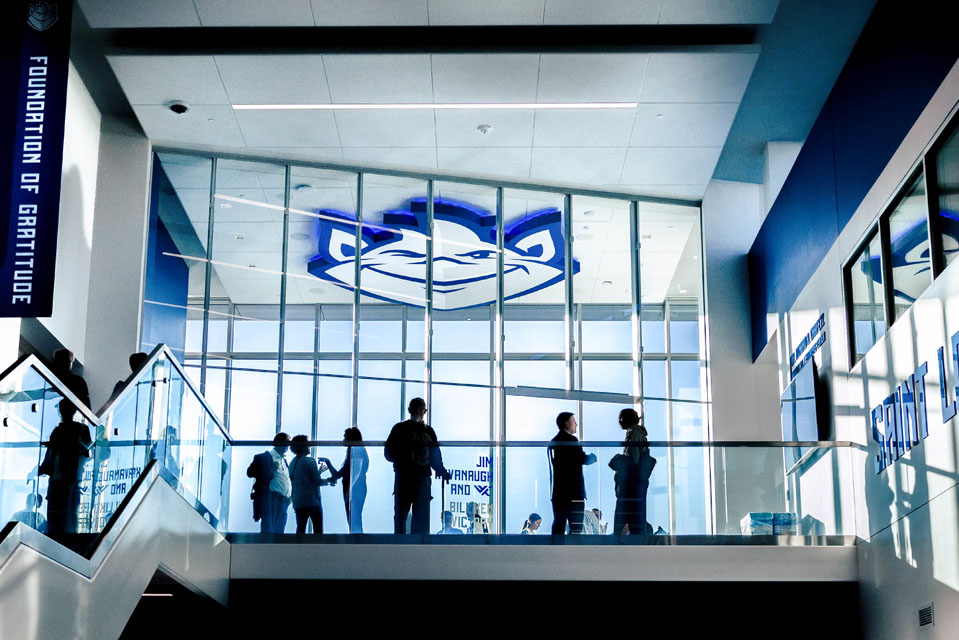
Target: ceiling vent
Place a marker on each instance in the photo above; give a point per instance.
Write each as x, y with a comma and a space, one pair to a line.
926, 617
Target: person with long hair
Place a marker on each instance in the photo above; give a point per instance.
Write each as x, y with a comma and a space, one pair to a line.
353, 473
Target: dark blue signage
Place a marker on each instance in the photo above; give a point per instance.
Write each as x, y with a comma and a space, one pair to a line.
903, 413
816, 336
35, 64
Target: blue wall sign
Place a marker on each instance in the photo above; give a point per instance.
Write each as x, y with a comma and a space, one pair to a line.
902, 413
816, 336
393, 254
35, 65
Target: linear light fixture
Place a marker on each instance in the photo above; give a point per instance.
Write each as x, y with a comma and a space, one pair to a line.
458, 105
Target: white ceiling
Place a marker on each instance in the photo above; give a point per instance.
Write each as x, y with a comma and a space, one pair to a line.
320, 13
668, 145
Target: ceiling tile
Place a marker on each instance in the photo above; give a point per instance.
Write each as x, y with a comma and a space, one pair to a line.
379, 78
591, 77
255, 13
697, 77
160, 79
418, 158
391, 128
485, 78
665, 165
683, 124
577, 165
718, 11
508, 127
288, 128
603, 11
513, 12
583, 127
274, 79
203, 125
512, 163
124, 14
358, 13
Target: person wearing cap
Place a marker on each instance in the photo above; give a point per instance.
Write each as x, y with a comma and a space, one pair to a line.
271, 486
411, 447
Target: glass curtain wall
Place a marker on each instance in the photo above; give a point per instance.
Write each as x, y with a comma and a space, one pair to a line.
311, 300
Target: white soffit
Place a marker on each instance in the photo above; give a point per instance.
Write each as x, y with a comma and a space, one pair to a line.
118, 14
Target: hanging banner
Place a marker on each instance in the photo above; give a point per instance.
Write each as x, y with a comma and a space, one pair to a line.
34, 67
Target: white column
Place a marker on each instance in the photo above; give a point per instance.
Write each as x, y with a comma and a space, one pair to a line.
119, 248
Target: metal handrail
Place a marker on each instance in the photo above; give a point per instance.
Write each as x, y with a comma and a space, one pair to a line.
758, 444
161, 351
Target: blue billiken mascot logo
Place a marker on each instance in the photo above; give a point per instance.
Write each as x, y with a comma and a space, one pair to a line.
393, 255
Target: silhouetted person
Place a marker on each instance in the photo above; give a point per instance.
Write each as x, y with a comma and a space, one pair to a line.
411, 447
136, 361
448, 528
67, 450
305, 476
271, 487
63, 368
31, 515
569, 487
631, 488
353, 474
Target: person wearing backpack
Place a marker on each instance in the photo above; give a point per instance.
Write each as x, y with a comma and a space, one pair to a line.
411, 447
632, 477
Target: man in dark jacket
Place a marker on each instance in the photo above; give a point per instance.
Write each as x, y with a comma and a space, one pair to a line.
569, 487
411, 447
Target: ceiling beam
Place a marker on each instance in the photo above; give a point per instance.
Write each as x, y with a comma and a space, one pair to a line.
424, 40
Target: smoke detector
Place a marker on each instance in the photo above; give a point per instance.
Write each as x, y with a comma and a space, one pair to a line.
484, 128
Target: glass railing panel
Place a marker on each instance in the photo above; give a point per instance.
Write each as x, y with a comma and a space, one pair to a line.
22, 489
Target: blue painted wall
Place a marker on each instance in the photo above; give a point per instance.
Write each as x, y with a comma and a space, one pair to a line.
899, 61
167, 277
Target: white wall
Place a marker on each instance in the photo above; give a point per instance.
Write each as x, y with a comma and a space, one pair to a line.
909, 511
78, 185
780, 158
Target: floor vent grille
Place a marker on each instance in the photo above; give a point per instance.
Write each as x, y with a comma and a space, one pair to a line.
925, 616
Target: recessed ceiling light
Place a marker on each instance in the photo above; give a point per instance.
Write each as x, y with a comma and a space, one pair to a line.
589, 214
646, 236
435, 105
251, 266
303, 187
607, 283
226, 205
238, 237
682, 291
670, 226
300, 236
660, 116
585, 236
